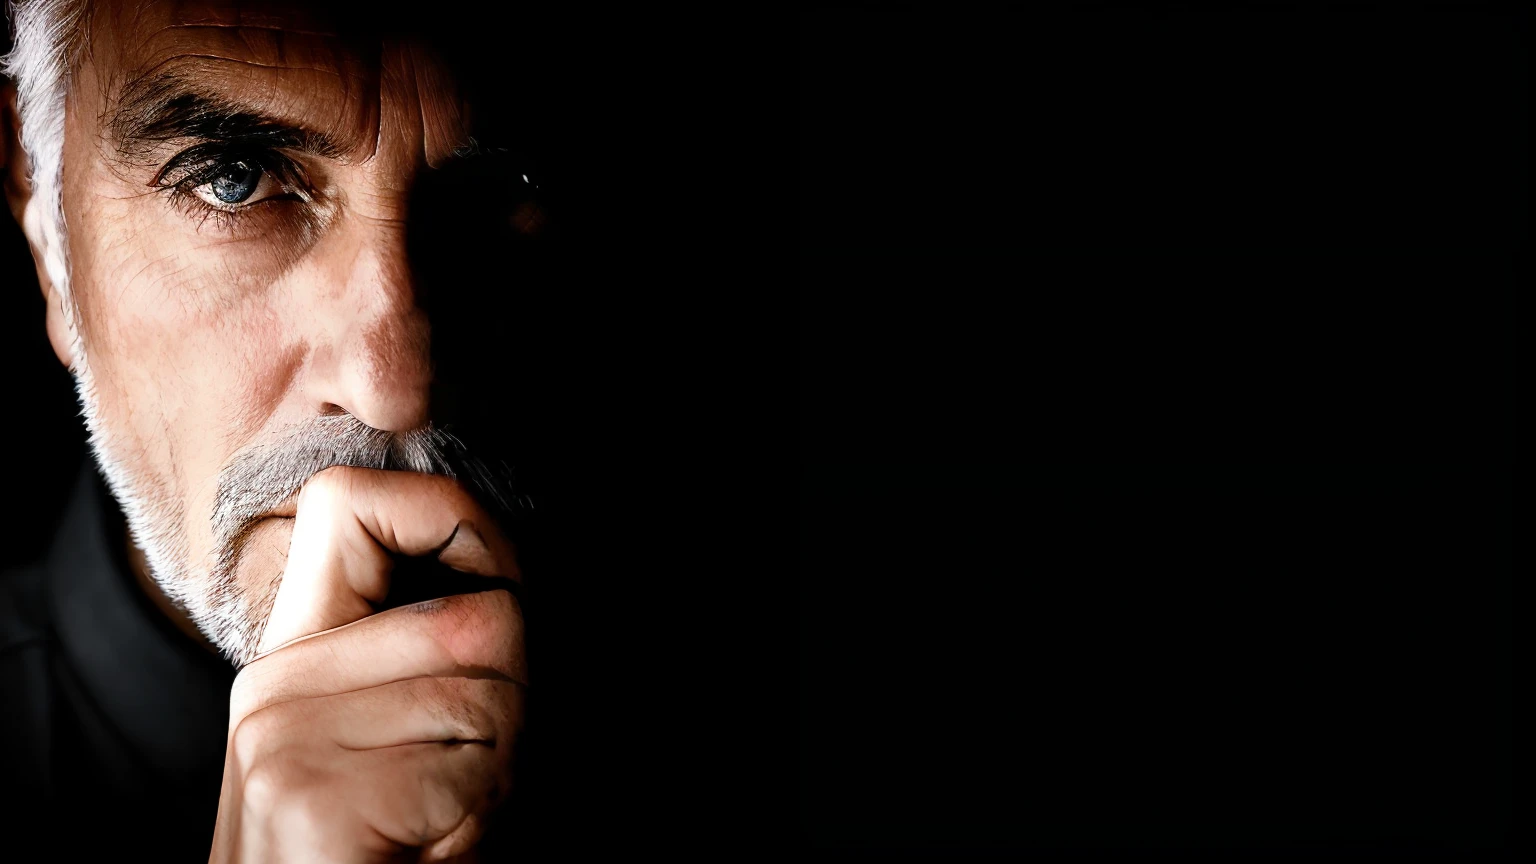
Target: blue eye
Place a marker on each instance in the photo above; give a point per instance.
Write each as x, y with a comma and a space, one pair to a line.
236, 183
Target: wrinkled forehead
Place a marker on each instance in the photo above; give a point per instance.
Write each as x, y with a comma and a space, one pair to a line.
311, 66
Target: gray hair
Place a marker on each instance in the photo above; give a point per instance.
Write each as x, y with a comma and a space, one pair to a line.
48, 40
47, 37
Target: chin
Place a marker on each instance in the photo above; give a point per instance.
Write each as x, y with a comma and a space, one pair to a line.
239, 588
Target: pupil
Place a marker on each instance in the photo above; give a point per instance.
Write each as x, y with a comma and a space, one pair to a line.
237, 183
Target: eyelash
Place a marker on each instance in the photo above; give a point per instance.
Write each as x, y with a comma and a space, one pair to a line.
200, 164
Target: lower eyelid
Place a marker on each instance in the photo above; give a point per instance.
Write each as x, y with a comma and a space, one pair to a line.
263, 185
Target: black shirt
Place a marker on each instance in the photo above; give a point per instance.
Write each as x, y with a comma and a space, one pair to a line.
114, 721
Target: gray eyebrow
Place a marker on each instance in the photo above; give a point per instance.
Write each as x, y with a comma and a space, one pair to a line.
169, 106
163, 107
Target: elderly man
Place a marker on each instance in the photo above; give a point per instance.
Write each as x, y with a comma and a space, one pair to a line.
232, 207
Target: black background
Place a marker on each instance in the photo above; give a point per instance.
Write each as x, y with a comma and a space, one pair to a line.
1153, 448
1156, 426
606, 362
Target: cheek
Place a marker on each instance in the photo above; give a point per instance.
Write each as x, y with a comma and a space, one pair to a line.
183, 332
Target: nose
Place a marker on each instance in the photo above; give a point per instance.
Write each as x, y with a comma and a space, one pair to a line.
371, 340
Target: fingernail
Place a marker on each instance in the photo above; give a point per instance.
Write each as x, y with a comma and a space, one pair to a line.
468, 552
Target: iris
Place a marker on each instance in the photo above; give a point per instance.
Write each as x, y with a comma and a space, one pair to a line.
236, 183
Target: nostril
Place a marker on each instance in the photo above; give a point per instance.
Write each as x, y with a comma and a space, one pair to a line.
331, 409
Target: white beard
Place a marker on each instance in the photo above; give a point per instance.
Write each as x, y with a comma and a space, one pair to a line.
230, 612
157, 526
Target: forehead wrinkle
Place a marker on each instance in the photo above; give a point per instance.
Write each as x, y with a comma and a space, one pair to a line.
269, 14
249, 26
151, 33
295, 75
223, 59
282, 54
238, 87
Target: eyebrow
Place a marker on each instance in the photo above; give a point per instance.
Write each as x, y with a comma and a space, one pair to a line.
151, 111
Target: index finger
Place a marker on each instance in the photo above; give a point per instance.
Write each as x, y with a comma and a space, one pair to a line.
348, 525
467, 635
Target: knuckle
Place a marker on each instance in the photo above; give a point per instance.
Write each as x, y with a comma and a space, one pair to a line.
298, 805
293, 801
495, 610
245, 741
460, 704
279, 788
266, 788
475, 709
328, 486
442, 810
255, 733
499, 604
499, 707
257, 685
477, 629
245, 695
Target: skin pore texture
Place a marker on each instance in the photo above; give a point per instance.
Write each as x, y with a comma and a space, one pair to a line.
208, 330
247, 327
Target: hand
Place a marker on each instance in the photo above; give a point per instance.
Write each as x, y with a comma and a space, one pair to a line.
361, 736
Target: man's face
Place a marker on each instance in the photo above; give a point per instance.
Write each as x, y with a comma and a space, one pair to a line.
238, 185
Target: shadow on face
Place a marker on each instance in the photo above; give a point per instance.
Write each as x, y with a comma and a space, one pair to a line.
308, 209
281, 212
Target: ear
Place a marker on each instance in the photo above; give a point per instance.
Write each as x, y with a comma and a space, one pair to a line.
28, 213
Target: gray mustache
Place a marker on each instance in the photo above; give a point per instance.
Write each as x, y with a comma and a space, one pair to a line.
263, 477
